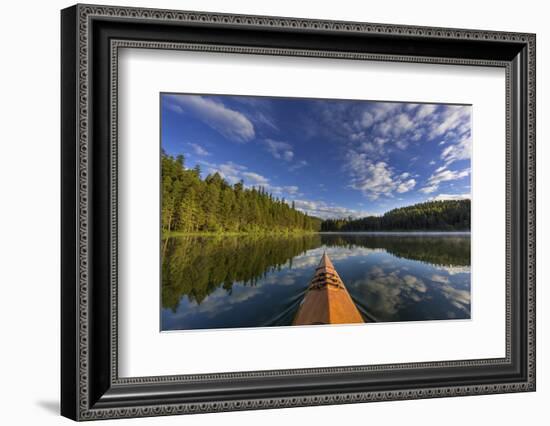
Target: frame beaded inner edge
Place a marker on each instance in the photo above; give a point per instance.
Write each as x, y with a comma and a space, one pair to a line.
115, 46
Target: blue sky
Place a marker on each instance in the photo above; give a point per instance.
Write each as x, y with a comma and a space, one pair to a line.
333, 158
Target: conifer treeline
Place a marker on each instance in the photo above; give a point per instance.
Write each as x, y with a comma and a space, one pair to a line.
191, 204
448, 215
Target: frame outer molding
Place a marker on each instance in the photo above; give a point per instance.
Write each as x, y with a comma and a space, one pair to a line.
76, 402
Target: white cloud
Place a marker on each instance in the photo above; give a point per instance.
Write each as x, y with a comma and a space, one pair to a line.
442, 174
292, 189
284, 151
395, 125
279, 150
230, 123
452, 117
398, 125
446, 175
230, 171
375, 179
327, 211
406, 186
264, 119
382, 110
403, 122
429, 189
255, 179
401, 144
199, 150
443, 197
379, 128
234, 173
367, 119
298, 165
459, 151
425, 111
368, 147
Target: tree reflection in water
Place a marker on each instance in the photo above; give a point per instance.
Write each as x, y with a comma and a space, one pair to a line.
250, 281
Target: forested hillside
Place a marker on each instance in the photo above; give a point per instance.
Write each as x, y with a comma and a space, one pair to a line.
449, 215
191, 204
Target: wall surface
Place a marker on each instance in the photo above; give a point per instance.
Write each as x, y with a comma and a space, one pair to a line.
29, 225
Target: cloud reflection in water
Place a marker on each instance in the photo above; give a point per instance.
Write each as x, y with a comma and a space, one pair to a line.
390, 278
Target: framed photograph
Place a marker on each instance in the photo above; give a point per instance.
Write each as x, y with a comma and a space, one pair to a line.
263, 212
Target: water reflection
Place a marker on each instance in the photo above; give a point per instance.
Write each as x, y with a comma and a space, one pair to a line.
220, 282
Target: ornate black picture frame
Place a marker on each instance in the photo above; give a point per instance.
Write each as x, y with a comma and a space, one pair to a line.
91, 37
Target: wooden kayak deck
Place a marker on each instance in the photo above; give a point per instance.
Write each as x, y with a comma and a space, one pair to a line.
327, 300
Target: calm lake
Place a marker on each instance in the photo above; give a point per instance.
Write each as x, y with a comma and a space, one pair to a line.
259, 281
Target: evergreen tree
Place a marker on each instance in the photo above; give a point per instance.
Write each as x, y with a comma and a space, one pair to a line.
191, 204
448, 215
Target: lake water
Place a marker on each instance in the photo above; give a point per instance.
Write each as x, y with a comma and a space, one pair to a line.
251, 281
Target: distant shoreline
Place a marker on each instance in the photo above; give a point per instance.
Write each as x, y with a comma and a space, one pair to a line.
290, 233
399, 232
236, 234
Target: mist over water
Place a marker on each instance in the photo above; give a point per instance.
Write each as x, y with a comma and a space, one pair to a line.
259, 281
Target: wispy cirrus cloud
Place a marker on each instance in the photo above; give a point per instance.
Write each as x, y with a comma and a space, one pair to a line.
230, 171
284, 151
255, 178
462, 150
444, 197
325, 210
451, 120
259, 110
298, 165
442, 174
262, 118
234, 173
230, 123
279, 149
199, 150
